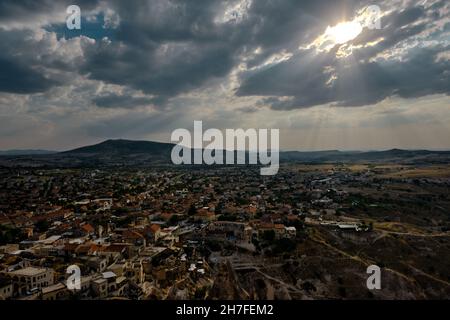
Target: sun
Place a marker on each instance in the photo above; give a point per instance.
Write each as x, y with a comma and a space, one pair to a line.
338, 34
344, 32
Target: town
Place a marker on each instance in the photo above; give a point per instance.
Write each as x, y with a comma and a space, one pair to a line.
172, 232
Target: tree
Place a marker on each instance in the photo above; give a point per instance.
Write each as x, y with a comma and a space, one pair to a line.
192, 210
284, 245
10, 235
173, 220
268, 235
42, 225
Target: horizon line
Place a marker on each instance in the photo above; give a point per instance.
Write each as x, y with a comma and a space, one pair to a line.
281, 150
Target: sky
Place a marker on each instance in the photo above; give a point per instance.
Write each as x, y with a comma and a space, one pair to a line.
329, 74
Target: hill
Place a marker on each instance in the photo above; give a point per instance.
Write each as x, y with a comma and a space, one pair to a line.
112, 153
123, 147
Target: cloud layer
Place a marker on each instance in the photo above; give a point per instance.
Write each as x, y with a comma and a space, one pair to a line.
168, 61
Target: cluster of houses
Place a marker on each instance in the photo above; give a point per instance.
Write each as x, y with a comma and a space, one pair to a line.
138, 234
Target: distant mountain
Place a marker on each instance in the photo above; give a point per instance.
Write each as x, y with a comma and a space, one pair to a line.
393, 155
311, 155
123, 147
25, 152
118, 152
145, 150
121, 152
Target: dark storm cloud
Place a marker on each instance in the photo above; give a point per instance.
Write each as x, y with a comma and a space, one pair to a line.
23, 9
311, 78
420, 74
302, 73
36, 14
22, 67
29, 64
121, 101
28, 61
164, 48
304, 80
17, 78
167, 20
172, 47
13, 10
153, 71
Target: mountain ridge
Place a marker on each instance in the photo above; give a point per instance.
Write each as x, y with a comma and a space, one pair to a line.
137, 146
123, 152
118, 146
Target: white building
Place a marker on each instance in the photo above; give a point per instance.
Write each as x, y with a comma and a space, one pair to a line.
29, 279
291, 232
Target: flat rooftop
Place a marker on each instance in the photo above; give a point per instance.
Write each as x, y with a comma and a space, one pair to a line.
29, 271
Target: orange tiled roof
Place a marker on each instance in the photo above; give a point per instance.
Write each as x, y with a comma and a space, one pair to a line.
130, 234
155, 227
88, 228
